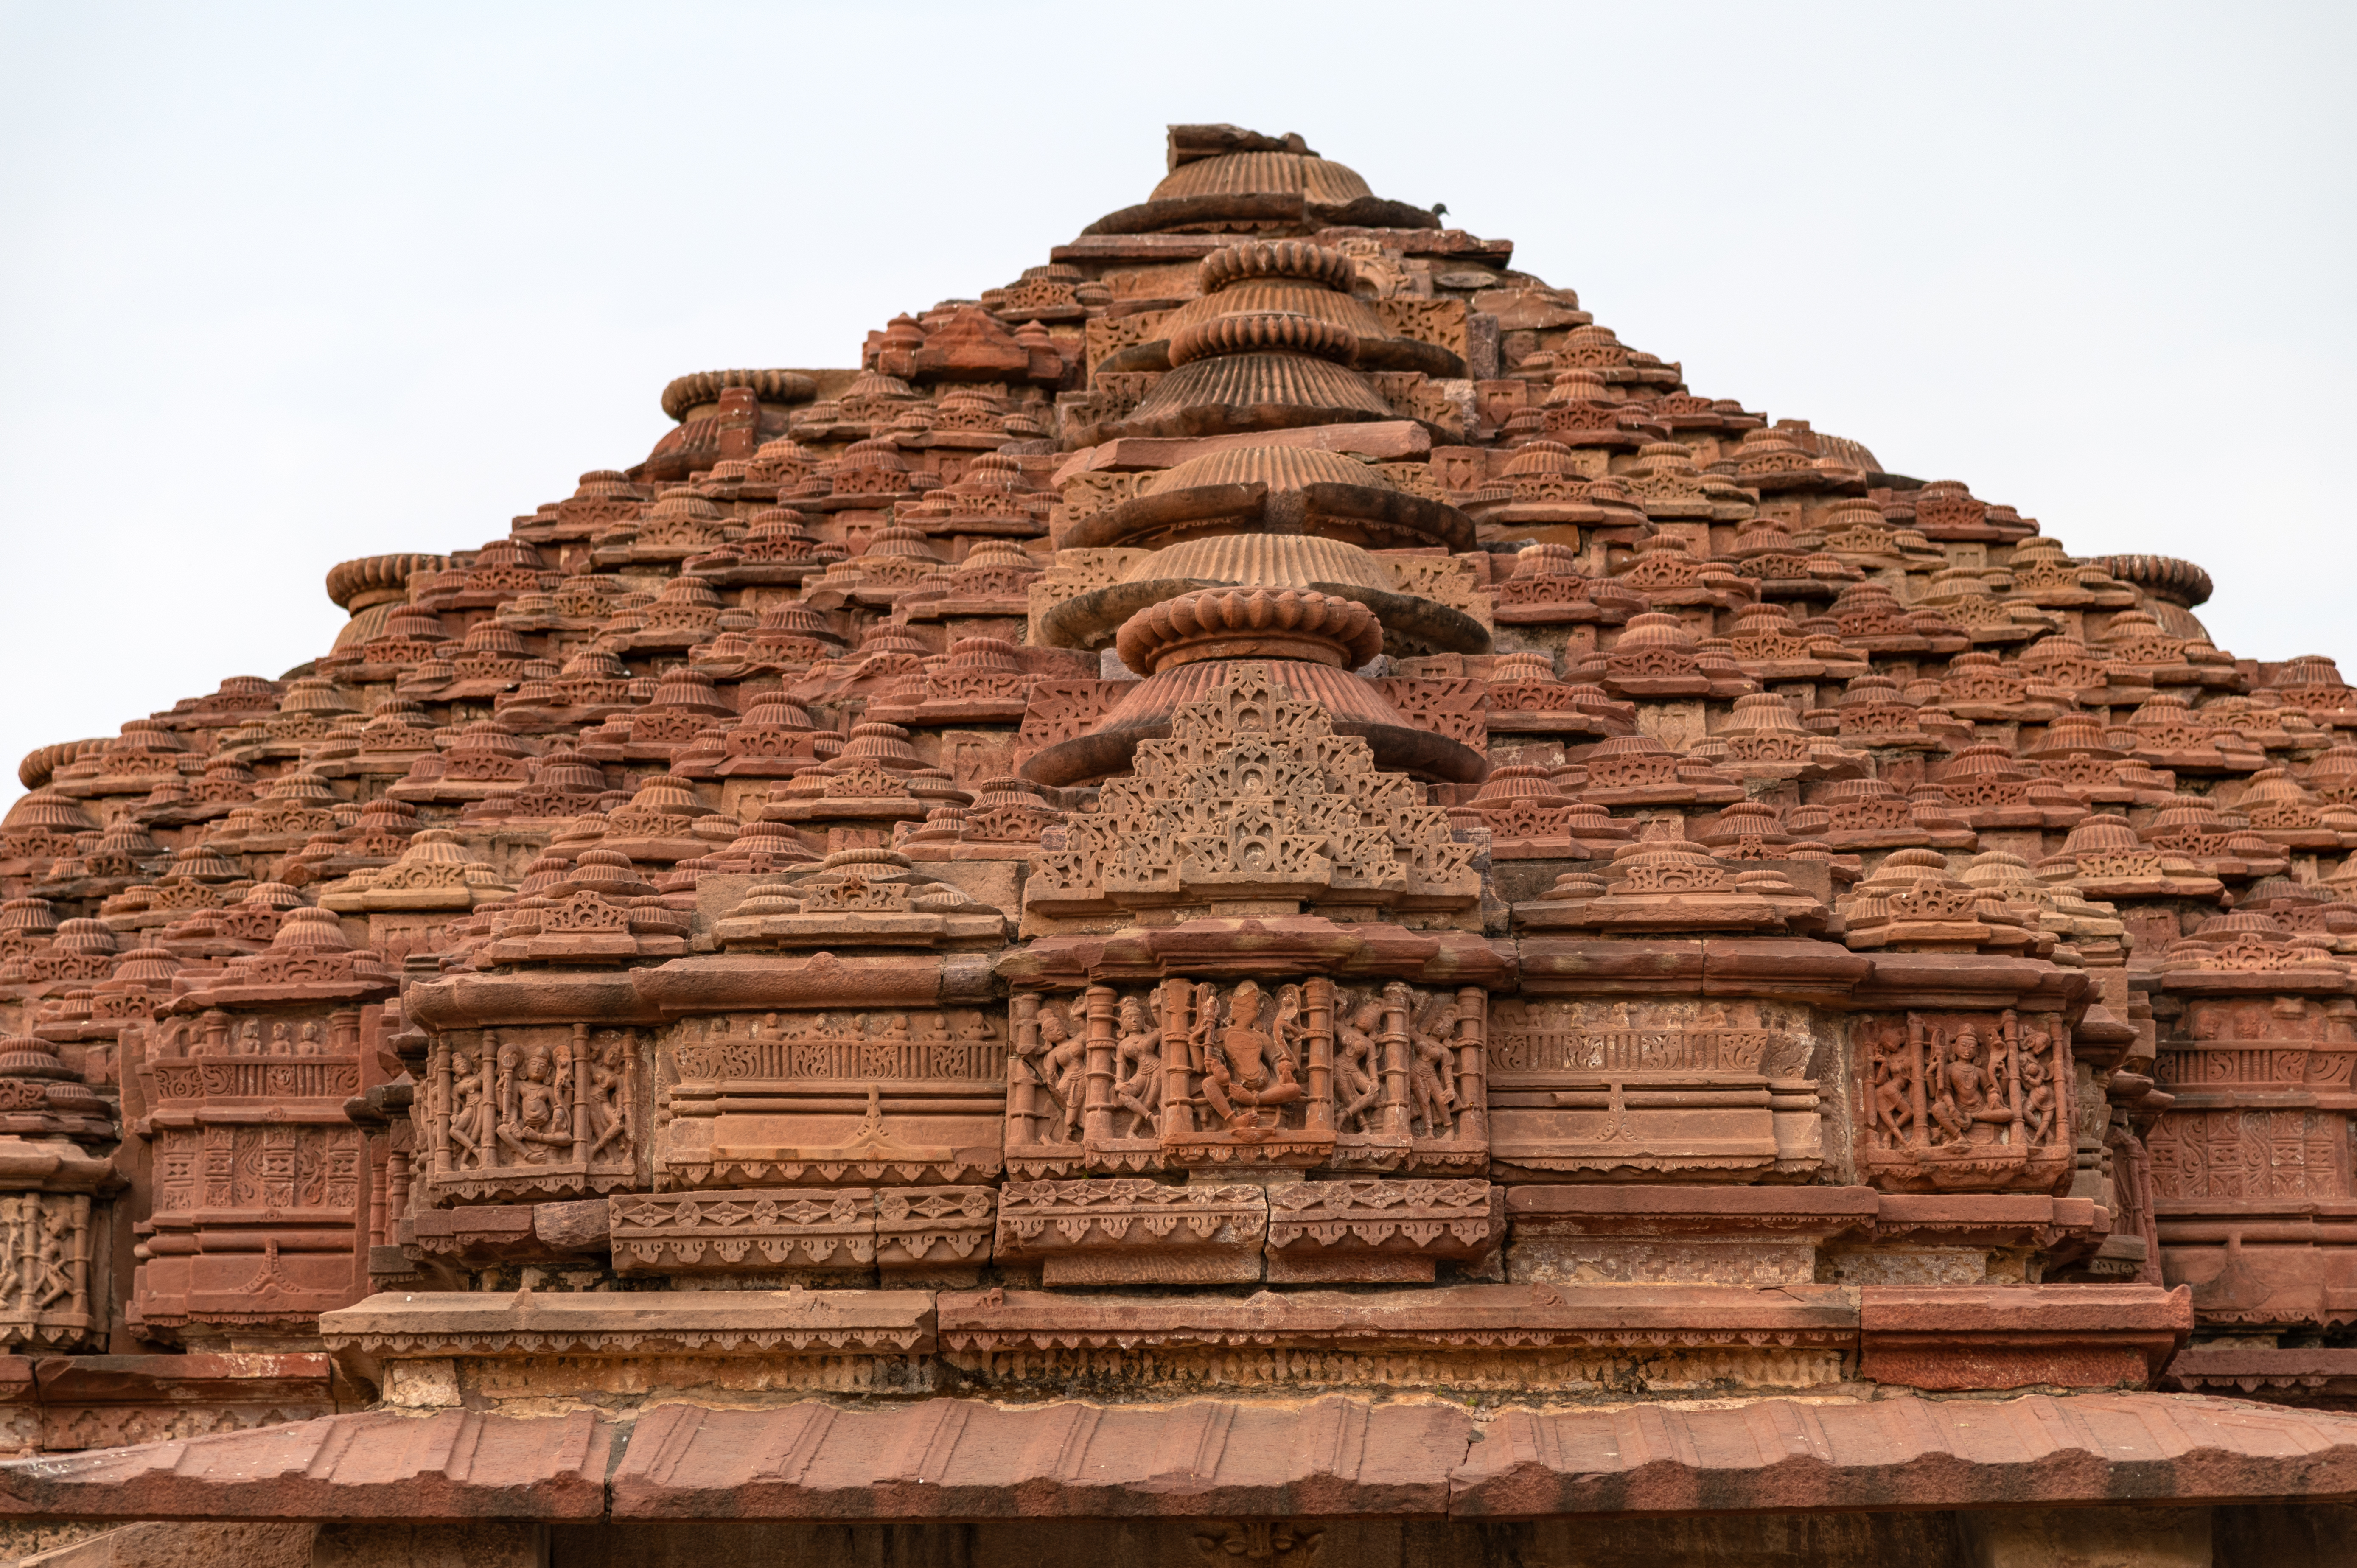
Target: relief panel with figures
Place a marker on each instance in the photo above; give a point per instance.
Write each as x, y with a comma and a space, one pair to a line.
1194, 1075
48, 1247
1970, 1102
530, 1114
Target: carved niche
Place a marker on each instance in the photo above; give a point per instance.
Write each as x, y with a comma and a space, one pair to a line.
1247, 1075
533, 1112
1598, 1087
1964, 1101
48, 1245
1257, 1074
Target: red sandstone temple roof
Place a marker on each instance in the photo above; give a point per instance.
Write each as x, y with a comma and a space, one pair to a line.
1265, 806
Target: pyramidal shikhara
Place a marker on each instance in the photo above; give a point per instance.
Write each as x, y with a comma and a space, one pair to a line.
1263, 827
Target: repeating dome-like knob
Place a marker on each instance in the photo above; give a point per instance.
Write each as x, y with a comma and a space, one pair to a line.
1250, 623
1276, 259
688, 392
27, 1057
377, 579
1262, 332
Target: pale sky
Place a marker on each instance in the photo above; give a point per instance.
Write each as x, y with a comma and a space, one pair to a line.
281, 285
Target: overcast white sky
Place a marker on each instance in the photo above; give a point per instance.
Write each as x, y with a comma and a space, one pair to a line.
285, 284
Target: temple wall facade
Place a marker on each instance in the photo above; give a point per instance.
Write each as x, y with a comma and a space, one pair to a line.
1261, 870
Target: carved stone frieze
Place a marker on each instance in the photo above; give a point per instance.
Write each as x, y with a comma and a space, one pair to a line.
1411, 1072
1370, 1228
696, 1323
261, 1182
909, 1095
1669, 1089
2250, 1164
792, 1231
1255, 1075
1132, 1232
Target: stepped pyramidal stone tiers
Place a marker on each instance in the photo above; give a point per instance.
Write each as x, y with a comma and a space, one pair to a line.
1258, 896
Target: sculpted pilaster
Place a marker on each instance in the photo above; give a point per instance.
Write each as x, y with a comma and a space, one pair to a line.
2249, 1162
56, 1224
262, 1184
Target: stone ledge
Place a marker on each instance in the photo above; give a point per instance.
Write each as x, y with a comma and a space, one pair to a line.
2265, 1371
452, 1465
1760, 1237
2003, 1337
1986, 1218
1601, 1207
61, 1403
1963, 1309
1453, 1317
1903, 1453
196, 1377
532, 1322
970, 1459
1951, 1339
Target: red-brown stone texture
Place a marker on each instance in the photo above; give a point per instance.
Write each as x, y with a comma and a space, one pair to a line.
966, 1459
1905, 1453
452, 1465
1265, 809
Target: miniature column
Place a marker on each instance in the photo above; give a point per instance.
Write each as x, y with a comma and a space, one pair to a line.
1317, 1018
1394, 1043
1472, 1065
1096, 1120
1915, 1055
1179, 1047
441, 1099
580, 1064
79, 1265
1022, 1077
